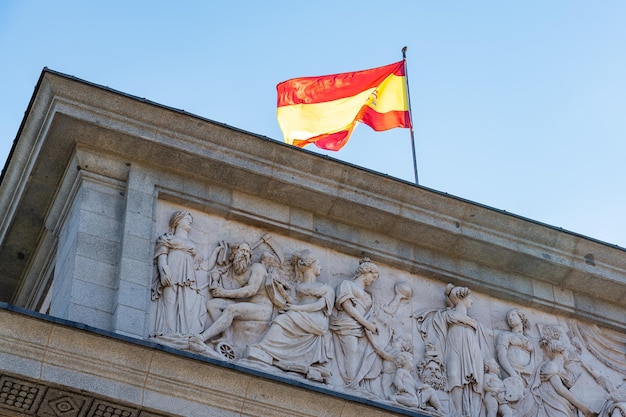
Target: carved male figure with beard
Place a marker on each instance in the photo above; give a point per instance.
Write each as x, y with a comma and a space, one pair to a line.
248, 300
432, 371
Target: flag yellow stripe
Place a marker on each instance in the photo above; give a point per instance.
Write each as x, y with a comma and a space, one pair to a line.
303, 121
391, 95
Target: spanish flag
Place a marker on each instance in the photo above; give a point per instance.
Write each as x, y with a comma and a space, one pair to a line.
324, 110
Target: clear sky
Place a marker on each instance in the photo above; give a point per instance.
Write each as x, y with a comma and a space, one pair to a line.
519, 106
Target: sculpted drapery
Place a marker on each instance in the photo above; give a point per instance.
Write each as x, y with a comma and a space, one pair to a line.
180, 305
298, 339
458, 338
351, 344
550, 385
354, 328
345, 341
301, 336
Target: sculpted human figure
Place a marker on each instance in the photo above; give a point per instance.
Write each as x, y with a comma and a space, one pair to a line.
298, 338
247, 301
495, 390
398, 344
514, 349
432, 371
180, 309
550, 384
352, 320
458, 336
409, 392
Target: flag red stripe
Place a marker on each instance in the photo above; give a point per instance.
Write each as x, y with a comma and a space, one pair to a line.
329, 142
333, 87
384, 121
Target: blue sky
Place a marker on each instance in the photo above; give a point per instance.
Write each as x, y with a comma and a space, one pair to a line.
516, 105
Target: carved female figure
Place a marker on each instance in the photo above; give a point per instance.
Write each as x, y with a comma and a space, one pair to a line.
353, 320
514, 349
298, 338
549, 387
457, 336
180, 306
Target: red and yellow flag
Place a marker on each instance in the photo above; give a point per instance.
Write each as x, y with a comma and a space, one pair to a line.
324, 110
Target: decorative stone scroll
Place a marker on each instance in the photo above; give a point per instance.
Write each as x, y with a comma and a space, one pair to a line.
240, 294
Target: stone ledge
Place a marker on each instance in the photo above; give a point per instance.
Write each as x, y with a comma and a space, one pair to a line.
179, 383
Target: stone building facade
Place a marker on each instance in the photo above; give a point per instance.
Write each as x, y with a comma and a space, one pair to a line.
154, 263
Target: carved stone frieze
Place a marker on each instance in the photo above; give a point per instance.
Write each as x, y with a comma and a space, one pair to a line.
306, 312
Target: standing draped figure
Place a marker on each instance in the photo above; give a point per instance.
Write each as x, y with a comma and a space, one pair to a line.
352, 325
180, 305
459, 338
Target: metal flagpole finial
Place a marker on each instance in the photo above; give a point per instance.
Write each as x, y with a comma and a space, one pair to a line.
404, 52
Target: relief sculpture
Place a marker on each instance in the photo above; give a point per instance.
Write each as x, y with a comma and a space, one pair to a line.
351, 324
179, 301
362, 328
550, 386
458, 337
495, 399
248, 304
242, 294
515, 349
409, 392
298, 338
238, 292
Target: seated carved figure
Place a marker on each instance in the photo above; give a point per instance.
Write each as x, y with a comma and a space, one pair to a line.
246, 300
388, 365
298, 338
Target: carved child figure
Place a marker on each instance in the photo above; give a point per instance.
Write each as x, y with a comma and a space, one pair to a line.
494, 391
409, 392
398, 344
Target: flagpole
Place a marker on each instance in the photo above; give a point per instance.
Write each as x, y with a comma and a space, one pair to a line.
406, 76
